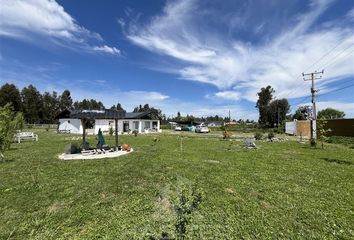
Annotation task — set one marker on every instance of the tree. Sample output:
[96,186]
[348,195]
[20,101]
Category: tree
[330,113]
[90,105]
[9,123]
[265,96]
[31,104]
[301,113]
[9,93]
[65,100]
[277,111]
[50,107]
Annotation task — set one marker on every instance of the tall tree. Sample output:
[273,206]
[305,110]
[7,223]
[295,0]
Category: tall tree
[330,113]
[66,101]
[117,107]
[277,111]
[300,113]
[50,107]
[9,93]
[264,98]
[31,104]
[89,104]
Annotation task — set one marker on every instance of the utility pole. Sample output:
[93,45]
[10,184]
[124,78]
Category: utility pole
[313,99]
[229,116]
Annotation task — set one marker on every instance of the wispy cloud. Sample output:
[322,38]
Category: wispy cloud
[107,49]
[30,20]
[184,32]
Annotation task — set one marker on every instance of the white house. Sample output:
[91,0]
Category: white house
[142,122]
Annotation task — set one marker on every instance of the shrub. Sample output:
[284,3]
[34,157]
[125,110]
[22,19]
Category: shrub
[271,135]
[340,140]
[258,135]
[110,131]
[313,142]
[226,135]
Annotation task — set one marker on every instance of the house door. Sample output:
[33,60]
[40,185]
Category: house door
[125,126]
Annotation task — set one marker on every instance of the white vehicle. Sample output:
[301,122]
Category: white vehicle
[178,128]
[201,129]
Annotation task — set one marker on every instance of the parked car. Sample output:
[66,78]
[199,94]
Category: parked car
[201,129]
[178,128]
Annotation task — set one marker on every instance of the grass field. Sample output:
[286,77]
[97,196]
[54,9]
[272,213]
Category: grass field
[282,190]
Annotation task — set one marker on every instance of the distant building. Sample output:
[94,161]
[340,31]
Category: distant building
[233,123]
[215,124]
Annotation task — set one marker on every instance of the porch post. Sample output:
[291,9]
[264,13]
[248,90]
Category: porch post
[116,132]
[83,133]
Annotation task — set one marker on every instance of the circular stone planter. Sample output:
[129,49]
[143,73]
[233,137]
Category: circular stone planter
[79,156]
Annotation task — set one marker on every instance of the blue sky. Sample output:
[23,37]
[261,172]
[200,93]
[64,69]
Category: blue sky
[198,57]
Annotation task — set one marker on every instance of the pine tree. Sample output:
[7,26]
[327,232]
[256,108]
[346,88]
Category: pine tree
[66,101]
[9,93]
[31,104]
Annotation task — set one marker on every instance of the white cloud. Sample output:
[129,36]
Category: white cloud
[29,20]
[147,96]
[227,95]
[107,49]
[207,55]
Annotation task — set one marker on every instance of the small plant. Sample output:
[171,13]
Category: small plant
[258,135]
[271,135]
[135,132]
[322,131]
[226,135]
[313,142]
[185,203]
[110,131]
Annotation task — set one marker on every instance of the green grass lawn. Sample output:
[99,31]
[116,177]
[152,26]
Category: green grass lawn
[282,190]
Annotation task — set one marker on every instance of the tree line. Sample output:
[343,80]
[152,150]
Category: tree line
[43,108]
[274,112]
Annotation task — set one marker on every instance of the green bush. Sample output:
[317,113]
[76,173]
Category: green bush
[341,140]
[313,143]
[110,131]
[165,127]
[258,135]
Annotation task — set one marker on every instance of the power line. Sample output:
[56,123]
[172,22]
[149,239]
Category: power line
[318,60]
[336,90]
[336,56]
[337,59]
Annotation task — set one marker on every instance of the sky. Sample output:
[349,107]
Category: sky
[199,57]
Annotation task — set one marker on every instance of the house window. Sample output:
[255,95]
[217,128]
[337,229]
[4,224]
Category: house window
[154,125]
[136,125]
[147,125]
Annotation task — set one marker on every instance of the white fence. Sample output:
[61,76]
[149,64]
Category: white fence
[52,126]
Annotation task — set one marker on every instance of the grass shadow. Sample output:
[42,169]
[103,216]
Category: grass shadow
[338,161]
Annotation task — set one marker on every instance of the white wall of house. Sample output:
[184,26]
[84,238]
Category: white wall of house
[73,125]
[141,125]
